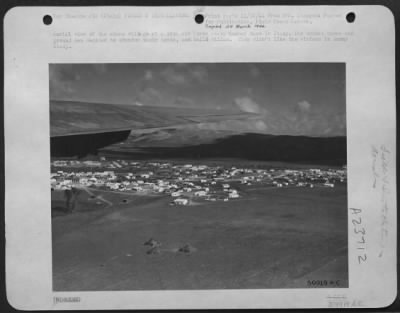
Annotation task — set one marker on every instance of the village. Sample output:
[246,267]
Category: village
[185,183]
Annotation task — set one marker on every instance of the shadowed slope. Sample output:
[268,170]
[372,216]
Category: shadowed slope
[325,150]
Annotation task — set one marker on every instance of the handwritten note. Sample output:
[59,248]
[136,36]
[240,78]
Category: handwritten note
[360,232]
[381,184]
[341,301]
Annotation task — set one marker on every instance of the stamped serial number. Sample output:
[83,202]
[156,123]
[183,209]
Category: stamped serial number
[323,283]
[57,300]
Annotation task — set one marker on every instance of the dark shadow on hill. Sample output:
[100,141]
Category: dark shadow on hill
[260,147]
[82,145]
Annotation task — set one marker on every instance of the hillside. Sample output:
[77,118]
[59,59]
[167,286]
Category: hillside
[75,118]
[251,146]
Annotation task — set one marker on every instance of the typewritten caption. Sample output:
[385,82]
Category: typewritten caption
[216,28]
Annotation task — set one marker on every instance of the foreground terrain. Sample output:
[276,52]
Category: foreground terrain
[269,237]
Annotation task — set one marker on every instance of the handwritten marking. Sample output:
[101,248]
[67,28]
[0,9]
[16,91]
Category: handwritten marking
[360,232]
[375,174]
[380,173]
[341,303]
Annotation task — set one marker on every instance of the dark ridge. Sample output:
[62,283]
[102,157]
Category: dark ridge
[321,150]
[82,145]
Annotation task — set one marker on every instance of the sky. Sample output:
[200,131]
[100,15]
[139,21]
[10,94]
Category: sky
[287,98]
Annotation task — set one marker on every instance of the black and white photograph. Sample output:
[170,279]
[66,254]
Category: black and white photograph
[198,176]
[200,157]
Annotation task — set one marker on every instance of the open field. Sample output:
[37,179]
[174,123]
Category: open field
[269,238]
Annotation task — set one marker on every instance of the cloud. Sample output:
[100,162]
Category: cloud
[304,105]
[184,102]
[61,80]
[149,96]
[199,74]
[246,104]
[173,76]
[254,71]
[183,74]
[249,90]
[240,126]
[148,75]
[61,72]
[100,68]
[260,126]
[181,65]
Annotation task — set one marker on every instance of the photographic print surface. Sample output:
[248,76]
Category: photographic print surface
[174,176]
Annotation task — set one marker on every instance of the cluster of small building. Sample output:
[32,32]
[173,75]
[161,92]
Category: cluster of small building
[185,183]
